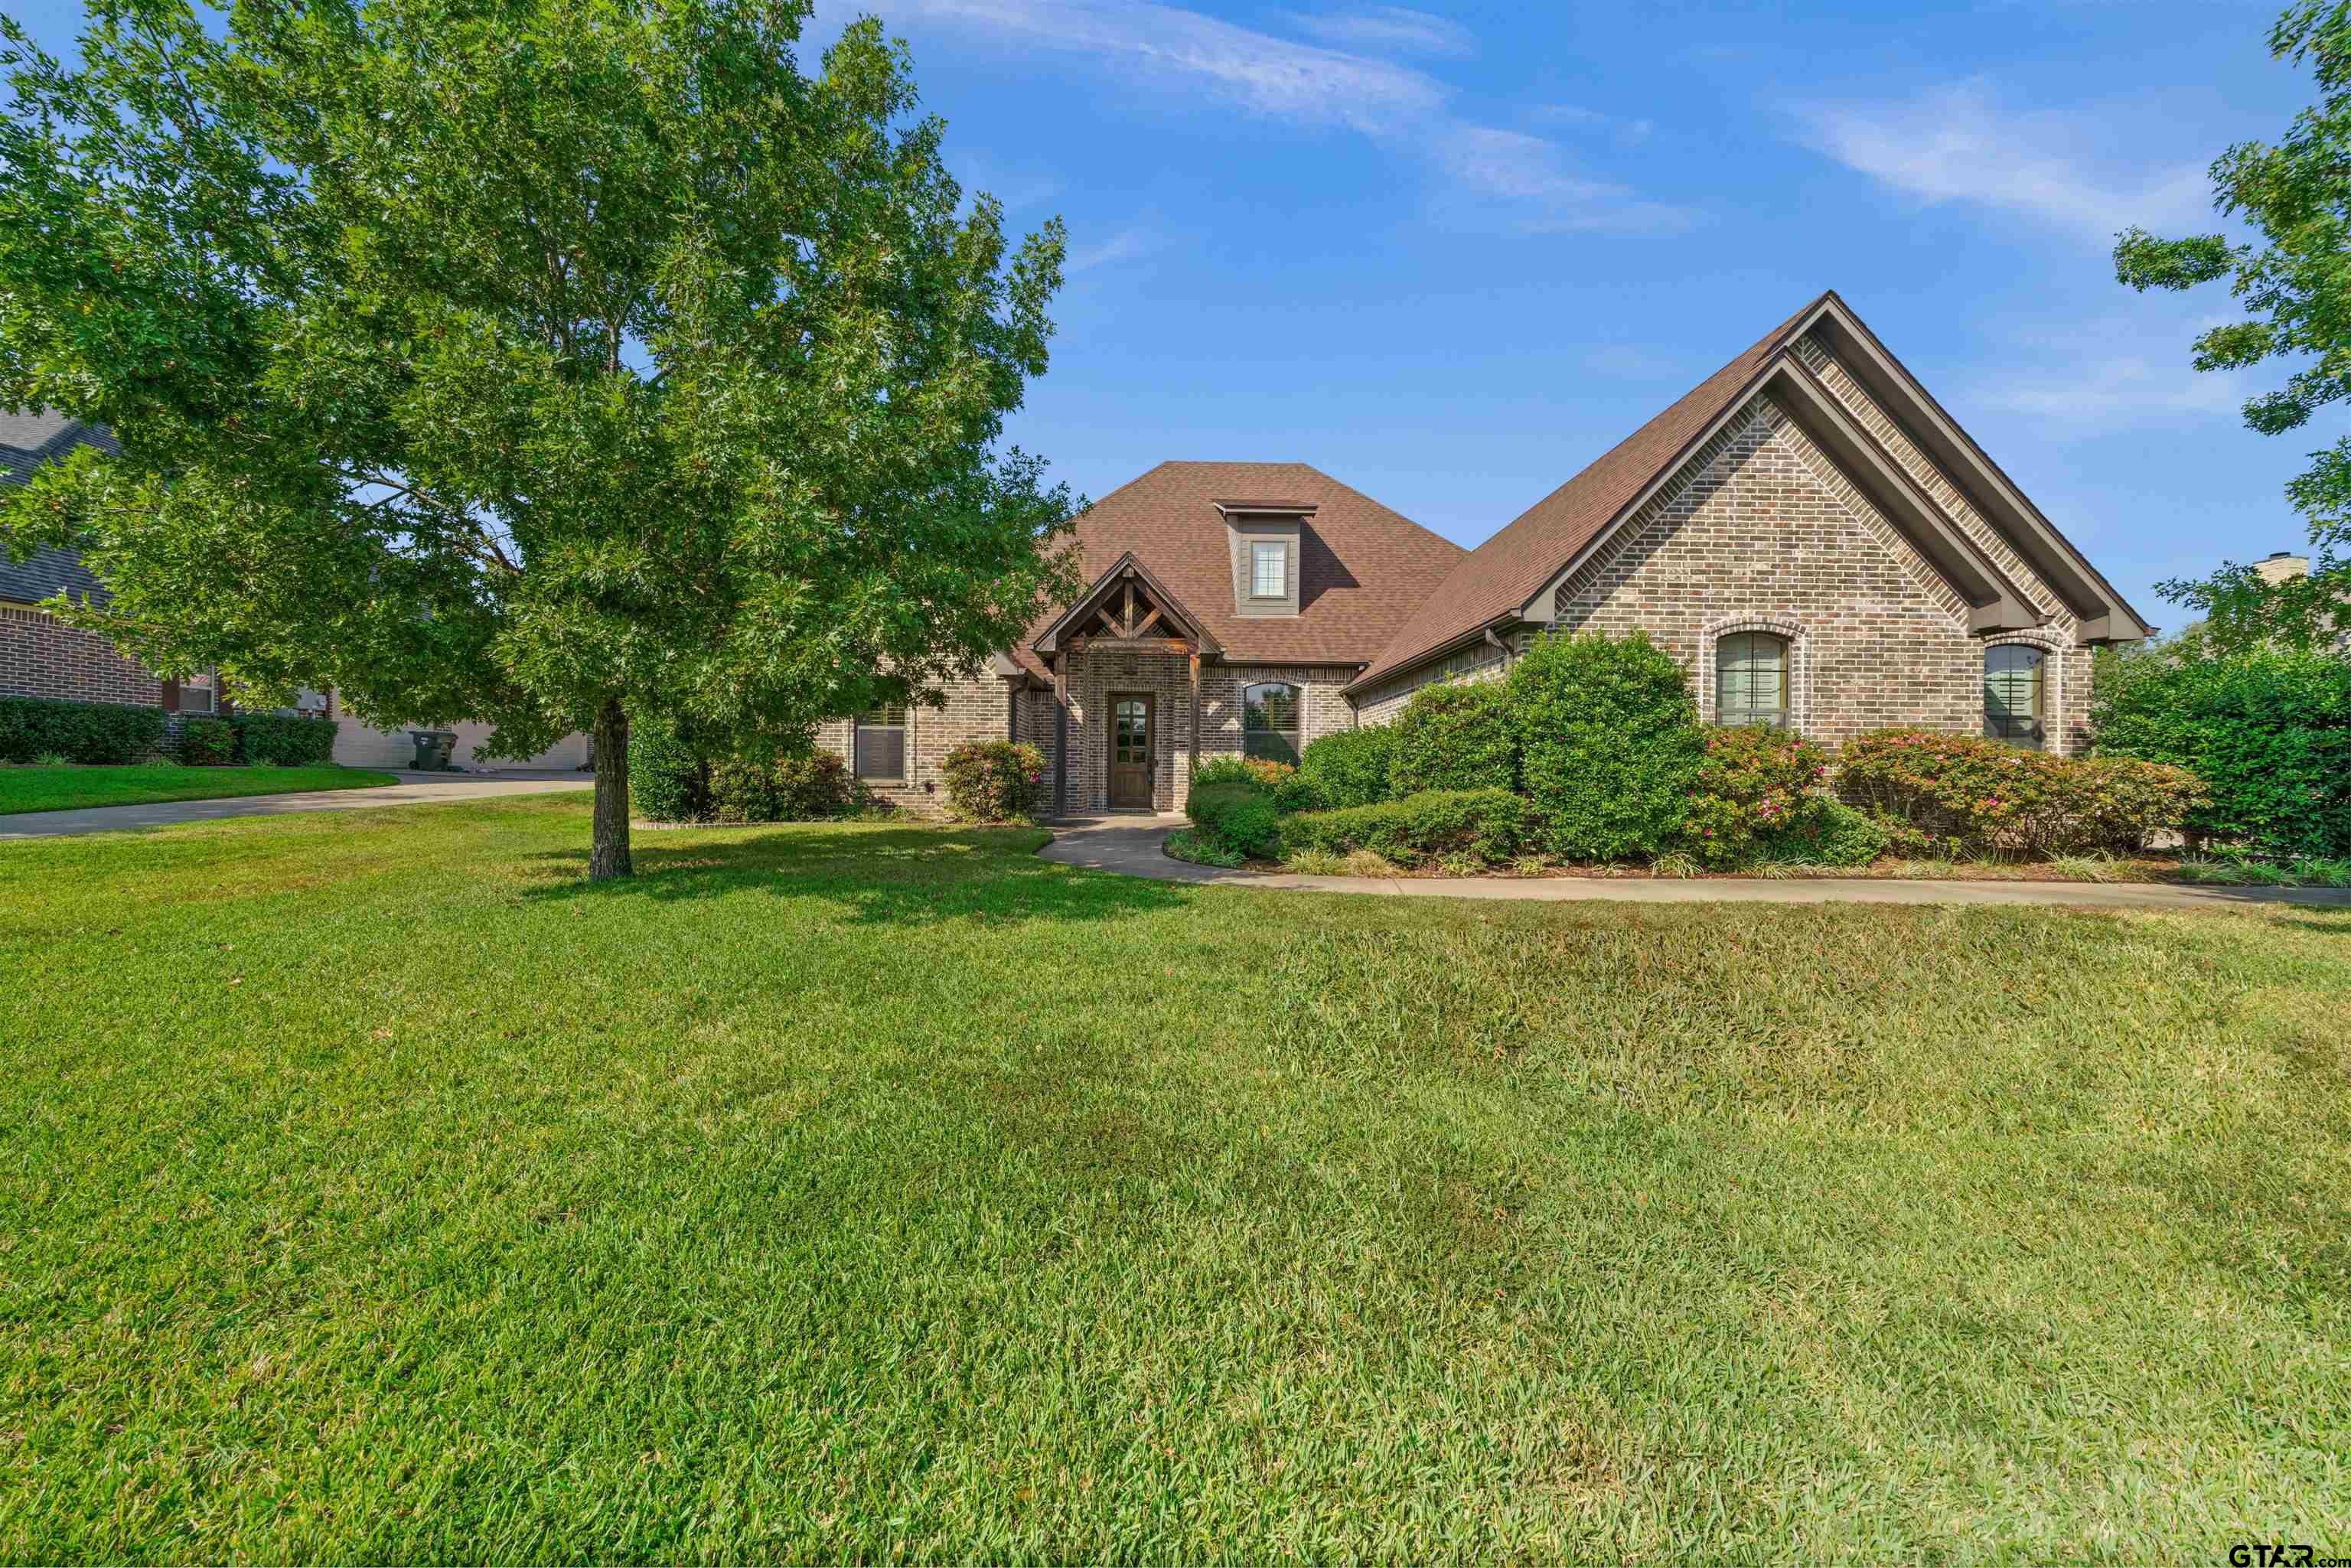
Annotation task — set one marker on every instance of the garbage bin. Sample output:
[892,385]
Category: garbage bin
[432,748]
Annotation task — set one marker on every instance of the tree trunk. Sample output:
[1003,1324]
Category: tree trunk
[608,855]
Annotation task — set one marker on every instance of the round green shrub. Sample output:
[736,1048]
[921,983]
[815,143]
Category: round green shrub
[207,743]
[2268,733]
[1609,744]
[1351,766]
[1756,787]
[1455,736]
[669,780]
[992,780]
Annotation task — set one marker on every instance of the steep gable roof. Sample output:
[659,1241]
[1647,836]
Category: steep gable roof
[28,440]
[1363,569]
[1500,575]
[1504,575]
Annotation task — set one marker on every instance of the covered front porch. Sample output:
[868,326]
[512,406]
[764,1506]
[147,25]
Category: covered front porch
[1129,711]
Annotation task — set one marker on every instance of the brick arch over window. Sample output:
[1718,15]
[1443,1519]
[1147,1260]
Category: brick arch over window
[2053,682]
[1800,665]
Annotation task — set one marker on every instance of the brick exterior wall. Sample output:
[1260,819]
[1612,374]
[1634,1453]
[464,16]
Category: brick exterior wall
[1760,532]
[975,710]
[41,656]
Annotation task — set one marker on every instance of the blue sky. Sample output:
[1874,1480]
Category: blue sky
[1451,254]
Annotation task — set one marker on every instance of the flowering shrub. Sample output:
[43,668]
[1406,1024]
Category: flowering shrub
[1966,795]
[1756,787]
[992,780]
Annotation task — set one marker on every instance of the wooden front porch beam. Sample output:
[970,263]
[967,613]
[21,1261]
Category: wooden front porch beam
[1196,720]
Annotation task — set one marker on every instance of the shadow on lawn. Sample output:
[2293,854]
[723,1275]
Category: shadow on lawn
[882,877]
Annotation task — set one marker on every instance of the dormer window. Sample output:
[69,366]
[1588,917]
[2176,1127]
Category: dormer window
[1270,569]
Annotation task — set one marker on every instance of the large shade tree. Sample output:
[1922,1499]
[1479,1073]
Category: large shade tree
[535,362]
[2294,285]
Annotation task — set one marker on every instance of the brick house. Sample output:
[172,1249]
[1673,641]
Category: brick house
[41,656]
[1807,529]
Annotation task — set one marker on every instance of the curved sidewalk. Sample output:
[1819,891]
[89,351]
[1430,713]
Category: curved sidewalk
[414,789]
[1131,846]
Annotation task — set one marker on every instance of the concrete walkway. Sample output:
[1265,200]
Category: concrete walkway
[1130,845]
[414,789]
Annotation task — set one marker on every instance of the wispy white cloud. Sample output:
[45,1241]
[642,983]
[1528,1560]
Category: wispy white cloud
[1128,243]
[2108,374]
[1504,177]
[1626,131]
[1959,143]
[1531,180]
[1395,28]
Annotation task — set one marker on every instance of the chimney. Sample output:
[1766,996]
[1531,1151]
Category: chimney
[2281,566]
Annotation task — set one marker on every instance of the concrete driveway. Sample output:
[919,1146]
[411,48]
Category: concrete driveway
[1130,845]
[414,789]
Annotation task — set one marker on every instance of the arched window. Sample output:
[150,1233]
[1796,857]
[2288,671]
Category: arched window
[2016,686]
[1270,722]
[1750,679]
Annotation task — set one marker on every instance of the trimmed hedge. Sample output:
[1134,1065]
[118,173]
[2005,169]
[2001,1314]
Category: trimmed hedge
[992,780]
[262,738]
[33,728]
[1971,796]
[1489,823]
[1609,744]
[2268,733]
[1455,736]
[207,743]
[1351,766]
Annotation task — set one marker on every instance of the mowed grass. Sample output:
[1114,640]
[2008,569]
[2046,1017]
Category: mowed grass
[377,1189]
[33,788]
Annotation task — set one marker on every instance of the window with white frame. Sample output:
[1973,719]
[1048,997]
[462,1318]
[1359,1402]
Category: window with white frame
[1270,722]
[1750,679]
[1269,570]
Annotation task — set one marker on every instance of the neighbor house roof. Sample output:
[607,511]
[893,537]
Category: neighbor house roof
[1362,567]
[1502,574]
[28,440]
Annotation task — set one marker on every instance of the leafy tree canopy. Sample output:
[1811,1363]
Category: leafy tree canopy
[2295,285]
[526,361]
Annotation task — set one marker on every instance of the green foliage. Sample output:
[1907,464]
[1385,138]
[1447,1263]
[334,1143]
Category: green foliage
[1226,769]
[2268,732]
[274,739]
[2295,282]
[1962,795]
[1192,844]
[1756,787]
[207,743]
[35,728]
[1490,825]
[992,780]
[524,364]
[1455,735]
[669,779]
[1609,744]
[1351,766]
[808,786]
[1236,814]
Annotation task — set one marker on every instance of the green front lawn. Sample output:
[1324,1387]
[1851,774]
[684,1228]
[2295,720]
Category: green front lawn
[377,1189]
[69,789]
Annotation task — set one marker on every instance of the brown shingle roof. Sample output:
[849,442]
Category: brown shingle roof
[1363,569]
[1503,573]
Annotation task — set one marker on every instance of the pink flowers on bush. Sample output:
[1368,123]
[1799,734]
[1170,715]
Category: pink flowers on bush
[1972,795]
[992,780]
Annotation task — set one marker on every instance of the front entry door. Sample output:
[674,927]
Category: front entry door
[1130,750]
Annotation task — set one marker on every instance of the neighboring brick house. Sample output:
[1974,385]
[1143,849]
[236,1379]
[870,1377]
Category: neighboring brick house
[41,655]
[1808,531]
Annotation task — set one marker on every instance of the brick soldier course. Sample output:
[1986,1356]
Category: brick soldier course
[1811,489]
